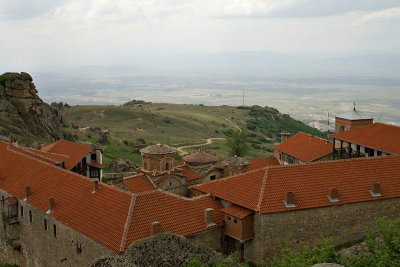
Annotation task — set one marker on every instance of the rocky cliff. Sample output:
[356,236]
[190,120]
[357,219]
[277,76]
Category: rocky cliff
[22,112]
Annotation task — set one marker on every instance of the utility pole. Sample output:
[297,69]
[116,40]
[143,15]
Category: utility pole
[243,99]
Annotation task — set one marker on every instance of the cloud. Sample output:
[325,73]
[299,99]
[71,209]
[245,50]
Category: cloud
[22,9]
[387,15]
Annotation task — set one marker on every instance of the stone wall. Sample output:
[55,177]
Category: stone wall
[41,247]
[295,229]
[212,239]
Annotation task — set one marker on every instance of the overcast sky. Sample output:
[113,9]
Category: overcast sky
[90,32]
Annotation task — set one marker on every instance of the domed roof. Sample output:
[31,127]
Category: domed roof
[158,149]
[199,158]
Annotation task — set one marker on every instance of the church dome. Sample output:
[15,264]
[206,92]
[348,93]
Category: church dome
[200,158]
[158,150]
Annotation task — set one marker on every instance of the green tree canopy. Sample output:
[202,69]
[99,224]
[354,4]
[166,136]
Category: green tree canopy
[238,143]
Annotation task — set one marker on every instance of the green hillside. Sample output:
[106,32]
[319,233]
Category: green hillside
[130,125]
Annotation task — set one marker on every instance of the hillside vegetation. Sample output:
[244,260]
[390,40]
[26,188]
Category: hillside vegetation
[138,123]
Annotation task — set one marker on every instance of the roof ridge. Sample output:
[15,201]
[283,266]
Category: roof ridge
[229,177]
[323,162]
[127,224]
[172,195]
[32,151]
[264,184]
[51,145]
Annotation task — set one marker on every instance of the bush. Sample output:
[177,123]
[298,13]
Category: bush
[308,257]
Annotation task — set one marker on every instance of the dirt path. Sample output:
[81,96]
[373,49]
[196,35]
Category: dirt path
[208,141]
[233,124]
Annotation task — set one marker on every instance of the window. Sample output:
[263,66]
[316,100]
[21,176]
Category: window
[22,211]
[45,223]
[30,216]
[2,201]
[94,173]
[93,156]
[78,248]
[234,220]
[54,230]
[167,166]
[212,177]
[379,153]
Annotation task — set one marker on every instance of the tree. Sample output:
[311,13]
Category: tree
[238,144]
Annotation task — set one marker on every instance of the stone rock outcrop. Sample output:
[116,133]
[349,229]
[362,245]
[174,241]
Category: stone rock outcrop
[164,250]
[122,165]
[22,110]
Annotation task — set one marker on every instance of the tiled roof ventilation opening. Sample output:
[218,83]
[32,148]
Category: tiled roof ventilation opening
[376,189]
[28,193]
[52,205]
[155,228]
[95,186]
[290,200]
[333,195]
[209,217]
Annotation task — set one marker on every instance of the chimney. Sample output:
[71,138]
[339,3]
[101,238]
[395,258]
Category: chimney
[28,192]
[95,186]
[209,217]
[284,136]
[155,228]
[333,195]
[376,189]
[13,140]
[52,204]
[290,201]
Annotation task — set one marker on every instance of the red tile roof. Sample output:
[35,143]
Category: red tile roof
[263,162]
[380,136]
[48,157]
[187,172]
[91,214]
[110,216]
[176,214]
[237,211]
[264,190]
[95,164]
[305,147]
[75,151]
[138,183]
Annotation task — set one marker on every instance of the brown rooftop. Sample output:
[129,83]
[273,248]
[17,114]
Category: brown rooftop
[380,136]
[158,149]
[200,158]
[109,216]
[305,147]
[265,189]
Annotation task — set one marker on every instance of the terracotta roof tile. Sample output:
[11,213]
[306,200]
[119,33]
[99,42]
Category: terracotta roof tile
[263,162]
[200,157]
[310,183]
[138,183]
[110,216]
[305,147]
[91,214]
[383,137]
[176,214]
[243,190]
[187,172]
[95,164]
[74,151]
[237,211]
[48,157]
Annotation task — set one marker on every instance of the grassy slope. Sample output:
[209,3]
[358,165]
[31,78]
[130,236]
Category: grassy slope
[177,125]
